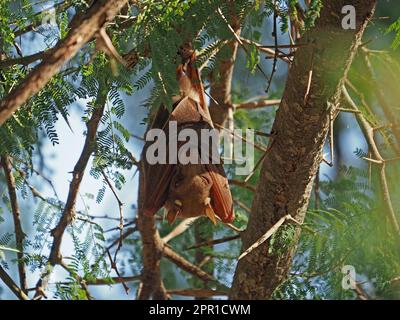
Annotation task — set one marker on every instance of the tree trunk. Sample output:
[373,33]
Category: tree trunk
[301,127]
[152,286]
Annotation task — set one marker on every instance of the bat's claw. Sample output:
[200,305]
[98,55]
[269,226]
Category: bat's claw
[171,216]
[211,214]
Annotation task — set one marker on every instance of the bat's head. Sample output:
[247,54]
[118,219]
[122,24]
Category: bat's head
[186,51]
[189,193]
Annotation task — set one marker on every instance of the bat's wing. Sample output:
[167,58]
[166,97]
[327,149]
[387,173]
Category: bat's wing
[157,180]
[157,177]
[220,194]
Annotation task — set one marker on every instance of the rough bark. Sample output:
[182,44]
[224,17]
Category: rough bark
[301,127]
[200,256]
[152,285]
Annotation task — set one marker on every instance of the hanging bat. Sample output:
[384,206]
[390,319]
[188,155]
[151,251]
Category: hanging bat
[187,190]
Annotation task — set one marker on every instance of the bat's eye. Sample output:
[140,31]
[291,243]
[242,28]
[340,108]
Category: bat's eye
[177,183]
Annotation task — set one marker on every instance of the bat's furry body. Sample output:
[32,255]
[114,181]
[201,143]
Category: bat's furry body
[187,190]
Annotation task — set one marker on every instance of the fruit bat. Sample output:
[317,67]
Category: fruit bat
[187,190]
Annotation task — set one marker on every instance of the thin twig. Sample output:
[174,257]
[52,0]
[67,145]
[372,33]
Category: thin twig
[348,110]
[237,38]
[369,136]
[179,229]
[83,28]
[285,46]
[104,43]
[229,225]
[184,264]
[387,110]
[6,162]
[258,104]
[265,236]
[115,267]
[242,205]
[121,212]
[275,35]
[24,61]
[69,210]
[270,52]
[233,134]
[125,235]
[37,172]
[242,184]
[197,292]
[104,281]
[309,80]
[210,243]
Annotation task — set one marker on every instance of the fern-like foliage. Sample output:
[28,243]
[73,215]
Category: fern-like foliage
[349,229]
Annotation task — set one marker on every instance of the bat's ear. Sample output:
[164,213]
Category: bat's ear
[223,209]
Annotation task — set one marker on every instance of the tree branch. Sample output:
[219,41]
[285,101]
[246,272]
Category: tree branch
[269,52]
[11,285]
[257,104]
[301,128]
[368,131]
[19,233]
[152,285]
[26,60]
[198,293]
[242,184]
[84,29]
[387,109]
[61,6]
[213,242]
[186,265]
[179,229]
[77,176]
[220,89]
[105,281]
